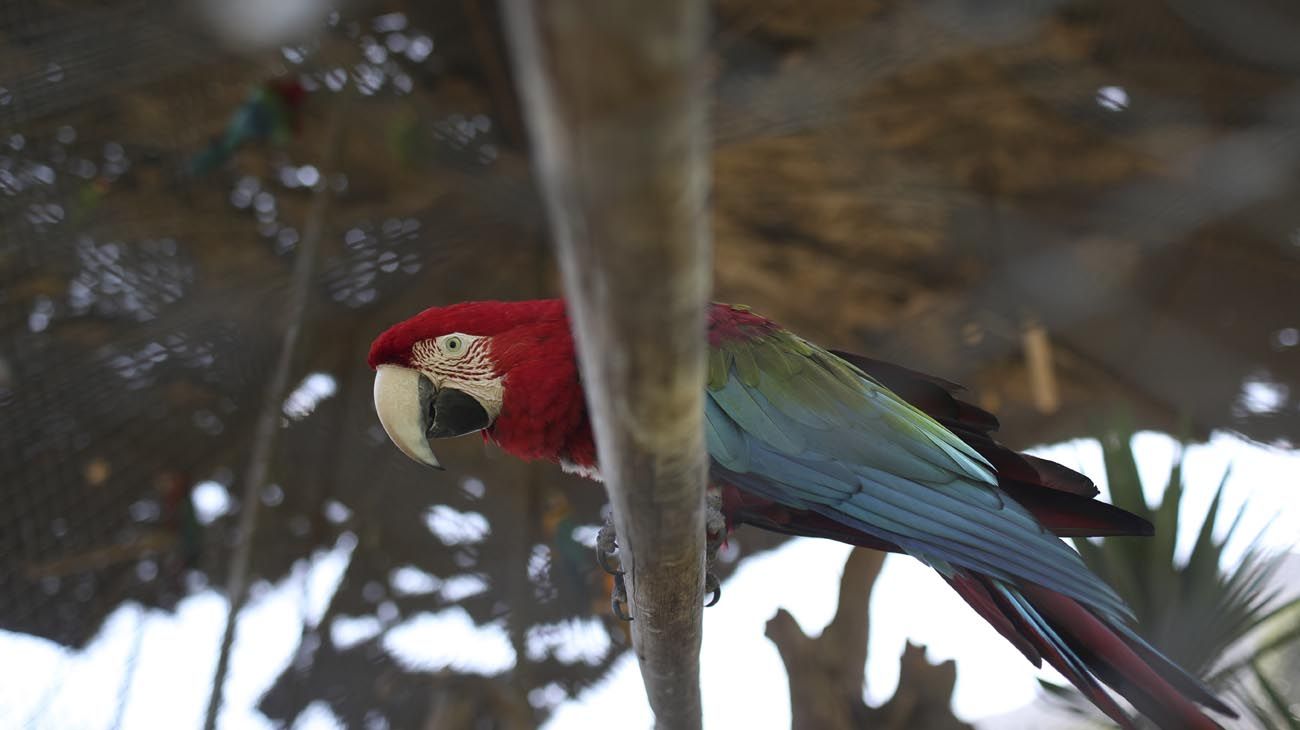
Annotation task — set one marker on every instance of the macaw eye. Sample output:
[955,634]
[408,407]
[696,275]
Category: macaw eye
[453,345]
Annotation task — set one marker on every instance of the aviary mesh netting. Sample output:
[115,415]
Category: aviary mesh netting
[143,301]
[906,179]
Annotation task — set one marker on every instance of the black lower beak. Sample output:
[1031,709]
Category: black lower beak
[455,413]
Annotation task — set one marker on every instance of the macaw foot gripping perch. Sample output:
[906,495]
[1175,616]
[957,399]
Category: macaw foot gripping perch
[608,558]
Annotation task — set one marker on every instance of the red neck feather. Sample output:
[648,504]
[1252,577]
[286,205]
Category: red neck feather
[543,413]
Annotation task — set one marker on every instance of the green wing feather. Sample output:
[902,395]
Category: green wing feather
[802,427]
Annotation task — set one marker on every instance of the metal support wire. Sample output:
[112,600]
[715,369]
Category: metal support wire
[268,422]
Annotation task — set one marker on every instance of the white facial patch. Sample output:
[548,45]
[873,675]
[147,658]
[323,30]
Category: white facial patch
[461,362]
[587,472]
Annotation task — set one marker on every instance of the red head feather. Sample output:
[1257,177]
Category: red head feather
[543,414]
[488,319]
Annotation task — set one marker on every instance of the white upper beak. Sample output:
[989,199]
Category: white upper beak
[403,412]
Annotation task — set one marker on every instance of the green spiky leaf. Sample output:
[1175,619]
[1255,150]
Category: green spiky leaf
[1275,703]
[1194,612]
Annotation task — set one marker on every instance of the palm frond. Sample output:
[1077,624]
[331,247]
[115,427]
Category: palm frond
[1219,624]
[1274,701]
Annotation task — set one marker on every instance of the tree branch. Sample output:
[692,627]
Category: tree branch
[613,96]
[827,673]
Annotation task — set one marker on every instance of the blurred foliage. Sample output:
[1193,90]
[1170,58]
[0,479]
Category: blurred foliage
[1230,627]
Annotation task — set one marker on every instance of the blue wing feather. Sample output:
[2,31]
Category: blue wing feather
[724,439]
[813,432]
[741,403]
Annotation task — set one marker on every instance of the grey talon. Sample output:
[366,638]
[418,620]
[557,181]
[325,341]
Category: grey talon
[618,599]
[713,588]
[607,548]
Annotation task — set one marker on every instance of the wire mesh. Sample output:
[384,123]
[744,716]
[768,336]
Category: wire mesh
[901,178]
[143,306]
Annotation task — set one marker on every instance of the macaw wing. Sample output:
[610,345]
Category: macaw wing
[1057,496]
[795,424]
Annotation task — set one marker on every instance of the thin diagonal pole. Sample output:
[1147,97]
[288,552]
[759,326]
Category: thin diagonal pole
[267,428]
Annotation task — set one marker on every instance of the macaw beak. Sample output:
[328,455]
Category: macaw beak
[412,411]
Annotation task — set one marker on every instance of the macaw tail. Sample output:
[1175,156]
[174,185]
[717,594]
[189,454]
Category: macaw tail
[1090,650]
[1091,646]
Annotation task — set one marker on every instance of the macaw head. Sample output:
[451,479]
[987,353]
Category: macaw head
[505,369]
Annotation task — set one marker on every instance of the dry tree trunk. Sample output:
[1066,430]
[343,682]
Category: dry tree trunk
[614,99]
[827,673]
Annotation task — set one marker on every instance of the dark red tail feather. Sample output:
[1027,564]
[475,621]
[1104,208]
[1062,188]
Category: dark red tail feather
[994,607]
[1083,648]
[973,590]
[1150,686]
[1025,468]
[1069,515]
[1070,667]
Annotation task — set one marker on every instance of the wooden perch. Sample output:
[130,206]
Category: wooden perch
[614,100]
[827,673]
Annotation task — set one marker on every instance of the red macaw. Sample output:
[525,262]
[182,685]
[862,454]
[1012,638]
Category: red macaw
[807,441]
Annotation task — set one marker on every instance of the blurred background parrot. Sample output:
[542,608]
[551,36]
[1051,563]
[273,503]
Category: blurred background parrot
[811,442]
[272,112]
[579,582]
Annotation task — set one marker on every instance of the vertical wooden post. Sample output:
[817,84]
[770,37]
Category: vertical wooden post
[614,99]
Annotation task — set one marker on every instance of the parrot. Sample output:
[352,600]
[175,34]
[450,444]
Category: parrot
[808,441]
[579,584]
[570,569]
[271,112]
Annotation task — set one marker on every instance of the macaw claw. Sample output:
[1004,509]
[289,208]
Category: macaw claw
[607,556]
[712,588]
[607,549]
[715,534]
[618,599]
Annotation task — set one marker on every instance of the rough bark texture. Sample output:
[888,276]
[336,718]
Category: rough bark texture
[827,673]
[613,97]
